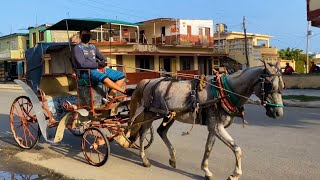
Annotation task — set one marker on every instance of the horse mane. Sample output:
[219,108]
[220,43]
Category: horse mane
[240,72]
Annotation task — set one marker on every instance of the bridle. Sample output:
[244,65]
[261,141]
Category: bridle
[267,88]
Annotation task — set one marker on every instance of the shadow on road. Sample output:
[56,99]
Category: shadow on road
[71,147]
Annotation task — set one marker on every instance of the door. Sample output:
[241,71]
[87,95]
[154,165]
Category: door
[167,64]
[163,31]
[34,39]
[189,32]
[207,34]
[142,37]
[200,36]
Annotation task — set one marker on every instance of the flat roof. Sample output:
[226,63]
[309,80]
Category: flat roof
[14,34]
[77,24]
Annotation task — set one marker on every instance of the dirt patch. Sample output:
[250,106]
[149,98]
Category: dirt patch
[13,168]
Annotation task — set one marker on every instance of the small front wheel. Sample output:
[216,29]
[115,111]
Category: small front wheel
[95,147]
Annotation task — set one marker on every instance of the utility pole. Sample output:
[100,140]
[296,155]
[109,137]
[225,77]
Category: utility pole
[245,40]
[308,42]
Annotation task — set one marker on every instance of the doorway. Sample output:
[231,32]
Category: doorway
[167,64]
[205,65]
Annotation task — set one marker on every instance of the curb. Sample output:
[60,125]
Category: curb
[11,87]
[287,103]
[290,103]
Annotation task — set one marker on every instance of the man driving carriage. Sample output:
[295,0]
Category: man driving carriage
[87,56]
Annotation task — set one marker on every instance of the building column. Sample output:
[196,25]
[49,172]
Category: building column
[195,63]
[157,63]
[176,64]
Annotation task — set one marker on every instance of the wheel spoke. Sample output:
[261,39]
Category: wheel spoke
[33,127]
[18,114]
[87,141]
[99,152]
[30,134]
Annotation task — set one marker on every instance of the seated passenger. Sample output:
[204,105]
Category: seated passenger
[87,56]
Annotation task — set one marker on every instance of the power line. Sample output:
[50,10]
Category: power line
[101,8]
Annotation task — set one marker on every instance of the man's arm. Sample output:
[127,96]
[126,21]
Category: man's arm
[100,56]
[80,60]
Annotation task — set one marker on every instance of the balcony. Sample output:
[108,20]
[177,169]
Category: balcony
[12,54]
[180,40]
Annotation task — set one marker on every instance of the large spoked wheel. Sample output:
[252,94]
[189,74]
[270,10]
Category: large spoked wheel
[23,123]
[149,139]
[95,147]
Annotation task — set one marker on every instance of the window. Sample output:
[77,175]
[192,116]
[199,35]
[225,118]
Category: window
[41,36]
[144,62]
[34,39]
[119,60]
[186,63]
[13,45]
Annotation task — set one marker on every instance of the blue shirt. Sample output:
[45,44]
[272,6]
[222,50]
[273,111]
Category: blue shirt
[87,57]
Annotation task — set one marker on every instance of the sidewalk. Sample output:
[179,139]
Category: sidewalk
[10,86]
[253,99]
[294,103]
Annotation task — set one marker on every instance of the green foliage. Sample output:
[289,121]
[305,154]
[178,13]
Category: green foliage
[295,54]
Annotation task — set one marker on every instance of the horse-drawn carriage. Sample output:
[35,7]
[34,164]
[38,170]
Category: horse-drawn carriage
[58,98]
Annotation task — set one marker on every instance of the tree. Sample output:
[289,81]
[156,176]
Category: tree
[297,55]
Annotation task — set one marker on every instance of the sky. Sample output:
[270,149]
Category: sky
[285,20]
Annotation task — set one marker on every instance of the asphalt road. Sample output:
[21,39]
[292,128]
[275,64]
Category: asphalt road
[272,149]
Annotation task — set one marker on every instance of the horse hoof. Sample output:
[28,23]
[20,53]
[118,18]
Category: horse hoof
[232,178]
[209,178]
[172,163]
[146,163]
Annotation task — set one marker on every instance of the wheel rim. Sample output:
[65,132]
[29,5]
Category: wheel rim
[95,147]
[148,138]
[23,123]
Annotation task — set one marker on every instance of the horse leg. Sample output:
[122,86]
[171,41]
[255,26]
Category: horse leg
[142,132]
[205,162]
[162,131]
[224,136]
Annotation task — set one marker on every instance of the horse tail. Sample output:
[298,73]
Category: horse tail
[128,138]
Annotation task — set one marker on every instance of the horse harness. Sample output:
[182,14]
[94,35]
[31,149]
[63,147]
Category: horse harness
[197,84]
[267,88]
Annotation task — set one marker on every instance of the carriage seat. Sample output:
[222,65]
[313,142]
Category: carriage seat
[58,85]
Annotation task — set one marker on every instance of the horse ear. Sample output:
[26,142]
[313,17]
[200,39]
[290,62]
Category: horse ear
[266,65]
[278,65]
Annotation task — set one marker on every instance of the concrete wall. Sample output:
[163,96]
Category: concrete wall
[302,81]
[195,26]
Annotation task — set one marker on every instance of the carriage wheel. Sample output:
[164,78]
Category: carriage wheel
[149,138]
[95,147]
[23,123]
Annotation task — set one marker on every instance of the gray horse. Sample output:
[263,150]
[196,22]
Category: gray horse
[265,81]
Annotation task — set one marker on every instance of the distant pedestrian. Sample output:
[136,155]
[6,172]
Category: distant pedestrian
[288,70]
[314,68]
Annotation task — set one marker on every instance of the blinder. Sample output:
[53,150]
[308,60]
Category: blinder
[267,88]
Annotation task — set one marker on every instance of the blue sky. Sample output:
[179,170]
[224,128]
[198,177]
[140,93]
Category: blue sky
[283,19]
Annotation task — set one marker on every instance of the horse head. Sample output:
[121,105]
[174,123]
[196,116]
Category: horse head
[269,89]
